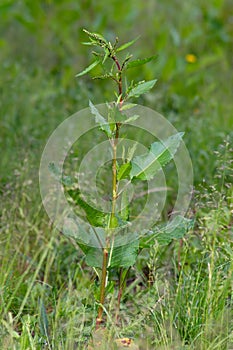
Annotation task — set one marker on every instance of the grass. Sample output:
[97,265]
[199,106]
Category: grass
[179,298]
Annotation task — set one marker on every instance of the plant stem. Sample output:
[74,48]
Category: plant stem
[114,142]
[102,287]
[119,81]
[114,146]
[114,183]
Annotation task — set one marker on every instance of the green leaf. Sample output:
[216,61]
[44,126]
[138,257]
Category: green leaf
[88,69]
[131,119]
[124,171]
[141,88]
[78,232]
[87,43]
[123,119]
[164,234]
[94,257]
[124,46]
[95,217]
[140,62]
[125,255]
[122,256]
[119,255]
[103,124]
[104,76]
[116,116]
[125,206]
[106,55]
[131,151]
[57,173]
[145,167]
[127,58]
[176,229]
[93,249]
[127,106]
[96,38]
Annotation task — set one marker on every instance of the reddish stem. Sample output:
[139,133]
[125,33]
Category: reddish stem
[102,288]
[120,77]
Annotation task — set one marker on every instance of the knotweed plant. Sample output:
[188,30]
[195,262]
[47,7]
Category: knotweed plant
[117,242]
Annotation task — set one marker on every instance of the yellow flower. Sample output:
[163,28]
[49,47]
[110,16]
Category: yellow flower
[190,58]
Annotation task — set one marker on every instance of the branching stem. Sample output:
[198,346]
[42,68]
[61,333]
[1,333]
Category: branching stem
[119,81]
[113,142]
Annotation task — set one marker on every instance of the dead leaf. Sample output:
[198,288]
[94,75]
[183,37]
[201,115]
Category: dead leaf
[102,340]
[124,343]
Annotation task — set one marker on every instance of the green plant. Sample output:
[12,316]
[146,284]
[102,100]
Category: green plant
[112,248]
[37,82]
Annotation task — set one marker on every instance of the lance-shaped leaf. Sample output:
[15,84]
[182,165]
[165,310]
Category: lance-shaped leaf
[126,45]
[145,167]
[94,216]
[125,206]
[104,76]
[131,119]
[124,171]
[128,106]
[140,62]
[88,69]
[164,234]
[100,120]
[141,88]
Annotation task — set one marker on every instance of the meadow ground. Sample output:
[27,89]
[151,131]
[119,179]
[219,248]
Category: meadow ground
[47,291]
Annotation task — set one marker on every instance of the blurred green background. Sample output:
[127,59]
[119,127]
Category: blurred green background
[41,52]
